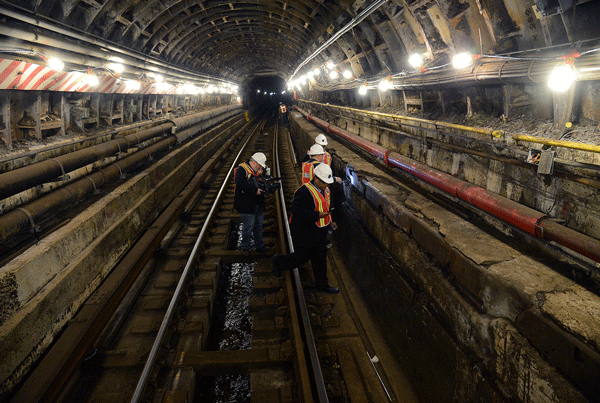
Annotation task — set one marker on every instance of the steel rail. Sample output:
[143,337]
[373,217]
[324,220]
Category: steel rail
[525,218]
[295,274]
[158,342]
[47,380]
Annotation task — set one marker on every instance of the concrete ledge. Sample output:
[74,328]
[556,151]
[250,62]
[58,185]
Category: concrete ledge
[478,288]
[55,277]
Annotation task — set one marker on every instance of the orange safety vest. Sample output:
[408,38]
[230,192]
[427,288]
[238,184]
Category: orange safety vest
[282,108]
[321,203]
[327,158]
[307,171]
[247,168]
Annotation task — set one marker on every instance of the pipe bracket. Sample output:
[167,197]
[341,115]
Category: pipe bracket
[64,176]
[121,175]
[34,228]
[96,191]
[385,158]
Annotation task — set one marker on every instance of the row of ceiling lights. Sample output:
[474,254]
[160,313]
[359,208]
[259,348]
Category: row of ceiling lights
[561,78]
[116,68]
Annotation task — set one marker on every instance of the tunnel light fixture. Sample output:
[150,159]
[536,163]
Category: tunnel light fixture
[333,74]
[416,61]
[92,80]
[116,67]
[562,77]
[158,78]
[133,84]
[316,71]
[347,74]
[55,64]
[462,60]
[362,90]
[385,84]
[330,65]
[310,75]
[164,86]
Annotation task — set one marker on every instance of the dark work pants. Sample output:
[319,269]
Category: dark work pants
[316,253]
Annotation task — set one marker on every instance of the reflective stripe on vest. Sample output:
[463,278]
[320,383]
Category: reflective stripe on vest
[247,168]
[307,171]
[327,158]
[321,203]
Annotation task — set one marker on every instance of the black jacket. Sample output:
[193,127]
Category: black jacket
[245,198]
[305,232]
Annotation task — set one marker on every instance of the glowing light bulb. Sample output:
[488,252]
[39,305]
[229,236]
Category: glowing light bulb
[92,80]
[159,79]
[384,85]
[116,67]
[330,65]
[347,74]
[55,64]
[317,71]
[561,78]
[462,60]
[415,60]
[363,89]
[333,75]
[132,84]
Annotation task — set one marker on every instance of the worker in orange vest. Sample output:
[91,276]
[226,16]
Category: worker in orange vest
[283,113]
[322,141]
[309,223]
[316,154]
[249,200]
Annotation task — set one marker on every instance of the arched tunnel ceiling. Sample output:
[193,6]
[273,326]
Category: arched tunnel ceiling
[242,40]
[230,39]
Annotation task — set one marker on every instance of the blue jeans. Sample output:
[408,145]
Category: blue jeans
[252,224]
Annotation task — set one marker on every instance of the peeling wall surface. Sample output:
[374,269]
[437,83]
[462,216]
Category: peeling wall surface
[501,95]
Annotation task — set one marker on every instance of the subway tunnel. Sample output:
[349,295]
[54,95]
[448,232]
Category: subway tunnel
[465,133]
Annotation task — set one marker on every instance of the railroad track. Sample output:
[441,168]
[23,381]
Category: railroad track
[187,316]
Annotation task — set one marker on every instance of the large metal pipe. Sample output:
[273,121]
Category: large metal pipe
[129,57]
[29,216]
[485,71]
[21,179]
[527,219]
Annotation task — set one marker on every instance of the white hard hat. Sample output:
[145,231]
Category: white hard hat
[321,139]
[260,158]
[323,172]
[316,149]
